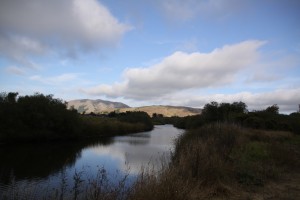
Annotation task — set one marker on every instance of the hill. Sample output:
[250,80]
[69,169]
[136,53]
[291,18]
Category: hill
[101,106]
[96,106]
[167,111]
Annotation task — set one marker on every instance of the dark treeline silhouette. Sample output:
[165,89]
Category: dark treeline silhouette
[36,117]
[268,119]
[41,117]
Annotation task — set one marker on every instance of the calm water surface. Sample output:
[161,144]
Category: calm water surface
[46,164]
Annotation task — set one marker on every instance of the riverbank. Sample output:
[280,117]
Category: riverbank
[217,161]
[43,167]
[224,161]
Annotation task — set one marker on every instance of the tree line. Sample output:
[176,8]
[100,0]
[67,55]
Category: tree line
[43,117]
[237,113]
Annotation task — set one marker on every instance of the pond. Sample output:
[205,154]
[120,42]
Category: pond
[49,164]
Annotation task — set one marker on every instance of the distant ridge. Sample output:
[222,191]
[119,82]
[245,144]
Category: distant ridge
[101,106]
[167,111]
[95,106]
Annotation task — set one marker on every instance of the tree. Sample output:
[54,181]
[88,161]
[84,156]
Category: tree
[36,116]
[273,109]
[210,111]
[11,97]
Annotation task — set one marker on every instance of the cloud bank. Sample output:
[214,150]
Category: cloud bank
[287,99]
[182,71]
[37,26]
[189,78]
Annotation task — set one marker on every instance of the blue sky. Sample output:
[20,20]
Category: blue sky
[175,52]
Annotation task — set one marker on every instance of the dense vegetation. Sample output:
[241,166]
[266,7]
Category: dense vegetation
[223,161]
[228,152]
[42,117]
[237,113]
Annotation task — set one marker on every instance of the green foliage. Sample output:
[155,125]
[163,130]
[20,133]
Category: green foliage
[268,119]
[94,126]
[36,117]
[42,117]
[136,117]
[273,109]
[214,112]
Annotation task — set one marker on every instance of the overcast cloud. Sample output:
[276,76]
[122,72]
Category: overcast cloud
[64,26]
[287,99]
[181,71]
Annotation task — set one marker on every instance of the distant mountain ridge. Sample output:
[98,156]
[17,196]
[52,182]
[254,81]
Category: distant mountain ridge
[102,106]
[167,111]
[95,106]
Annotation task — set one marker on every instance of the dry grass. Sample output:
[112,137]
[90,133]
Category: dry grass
[224,161]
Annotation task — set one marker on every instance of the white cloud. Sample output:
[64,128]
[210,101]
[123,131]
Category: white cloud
[55,80]
[287,99]
[181,71]
[263,77]
[64,26]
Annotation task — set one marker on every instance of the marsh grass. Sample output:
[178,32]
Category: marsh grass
[83,186]
[222,161]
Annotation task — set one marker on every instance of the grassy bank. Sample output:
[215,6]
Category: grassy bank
[222,161]
[217,161]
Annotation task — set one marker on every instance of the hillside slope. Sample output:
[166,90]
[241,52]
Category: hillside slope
[167,111]
[101,106]
[96,106]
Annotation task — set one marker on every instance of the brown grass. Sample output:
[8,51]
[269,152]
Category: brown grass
[224,161]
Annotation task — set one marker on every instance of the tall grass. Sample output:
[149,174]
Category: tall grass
[222,161]
[84,186]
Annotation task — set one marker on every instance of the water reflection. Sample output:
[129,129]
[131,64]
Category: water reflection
[136,151]
[40,160]
[31,162]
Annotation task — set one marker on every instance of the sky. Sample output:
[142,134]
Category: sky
[153,52]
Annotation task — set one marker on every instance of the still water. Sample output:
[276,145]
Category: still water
[45,164]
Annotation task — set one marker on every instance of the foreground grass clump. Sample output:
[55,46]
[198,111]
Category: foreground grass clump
[223,161]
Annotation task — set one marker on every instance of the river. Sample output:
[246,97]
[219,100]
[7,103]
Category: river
[47,164]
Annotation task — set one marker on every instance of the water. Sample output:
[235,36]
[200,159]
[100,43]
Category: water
[48,164]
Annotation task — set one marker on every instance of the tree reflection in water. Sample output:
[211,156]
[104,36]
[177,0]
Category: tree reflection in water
[30,161]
